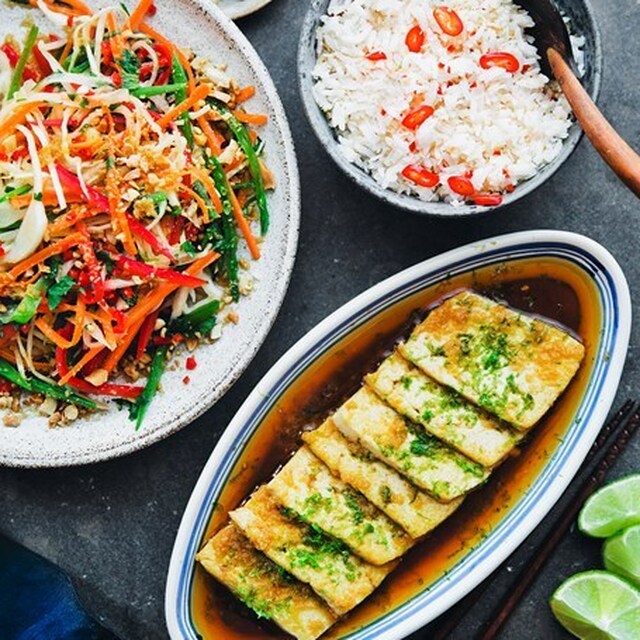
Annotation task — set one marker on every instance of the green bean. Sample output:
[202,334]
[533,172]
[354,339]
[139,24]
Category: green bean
[180,77]
[16,79]
[157,90]
[35,385]
[155,373]
[241,135]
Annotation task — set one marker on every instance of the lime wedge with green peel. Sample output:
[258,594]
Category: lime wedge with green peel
[612,509]
[622,555]
[597,605]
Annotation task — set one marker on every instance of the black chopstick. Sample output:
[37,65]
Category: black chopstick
[588,467]
[590,479]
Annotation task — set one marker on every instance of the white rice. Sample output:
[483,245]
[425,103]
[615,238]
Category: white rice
[496,127]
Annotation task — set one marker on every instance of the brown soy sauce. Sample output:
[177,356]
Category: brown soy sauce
[553,289]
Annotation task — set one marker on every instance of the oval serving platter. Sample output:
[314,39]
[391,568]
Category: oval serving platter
[304,385]
[202,27]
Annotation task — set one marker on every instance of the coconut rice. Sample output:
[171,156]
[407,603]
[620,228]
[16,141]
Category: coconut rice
[490,126]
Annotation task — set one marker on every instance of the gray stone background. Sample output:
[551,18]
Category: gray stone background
[111,526]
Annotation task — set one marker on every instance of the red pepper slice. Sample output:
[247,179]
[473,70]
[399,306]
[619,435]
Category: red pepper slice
[461,185]
[71,185]
[448,20]
[506,61]
[144,335]
[43,63]
[136,268]
[416,117]
[191,363]
[127,391]
[415,39]
[374,56]
[420,175]
[11,52]
[488,199]
[138,229]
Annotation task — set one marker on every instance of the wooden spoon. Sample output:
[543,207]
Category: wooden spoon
[554,46]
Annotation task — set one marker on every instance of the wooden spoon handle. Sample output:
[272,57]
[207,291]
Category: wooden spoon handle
[608,143]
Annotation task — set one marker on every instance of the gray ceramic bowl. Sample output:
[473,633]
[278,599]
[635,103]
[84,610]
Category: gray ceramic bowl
[583,23]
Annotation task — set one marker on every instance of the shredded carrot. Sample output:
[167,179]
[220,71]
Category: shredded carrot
[205,178]
[199,93]
[62,223]
[255,119]
[214,139]
[67,50]
[56,338]
[245,93]
[115,41]
[86,358]
[124,342]
[47,252]
[139,13]
[200,202]
[242,223]
[184,61]
[80,7]
[18,114]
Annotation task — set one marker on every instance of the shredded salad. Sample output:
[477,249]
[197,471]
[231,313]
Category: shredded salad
[130,179]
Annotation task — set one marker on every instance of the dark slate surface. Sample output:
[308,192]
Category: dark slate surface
[111,526]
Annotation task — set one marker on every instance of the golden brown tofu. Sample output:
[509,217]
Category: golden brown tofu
[424,460]
[510,364]
[339,577]
[414,510]
[443,413]
[263,586]
[307,486]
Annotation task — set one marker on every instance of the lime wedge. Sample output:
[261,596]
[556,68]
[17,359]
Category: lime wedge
[622,555]
[612,509]
[597,605]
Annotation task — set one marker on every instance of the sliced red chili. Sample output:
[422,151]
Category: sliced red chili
[92,281]
[144,336]
[488,199]
[502,59]
[416,117]
[420,175]
[136,268]
[13,55]
[191,363]
[415,39]
[461,185]
[376,55]
[448,20]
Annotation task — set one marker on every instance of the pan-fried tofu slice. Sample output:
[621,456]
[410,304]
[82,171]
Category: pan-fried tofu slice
[424,460]
[510,364]
[414,510]
[307,486]
[442,412]
[339,577]
[263,586]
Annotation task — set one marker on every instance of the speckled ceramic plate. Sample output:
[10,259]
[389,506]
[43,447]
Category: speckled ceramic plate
[523,497]
[240,8]
[201,26]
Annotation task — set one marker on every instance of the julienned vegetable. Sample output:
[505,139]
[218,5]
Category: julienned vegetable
[122,205]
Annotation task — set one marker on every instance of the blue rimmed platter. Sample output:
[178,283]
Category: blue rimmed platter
[493,523]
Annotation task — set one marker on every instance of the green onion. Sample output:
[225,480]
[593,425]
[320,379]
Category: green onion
[157,90]
[35,385]
[241,135]
[200,320]
[11,227]
[180,77]
[16,79]
[155,373]
[18,191]
[229,245]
